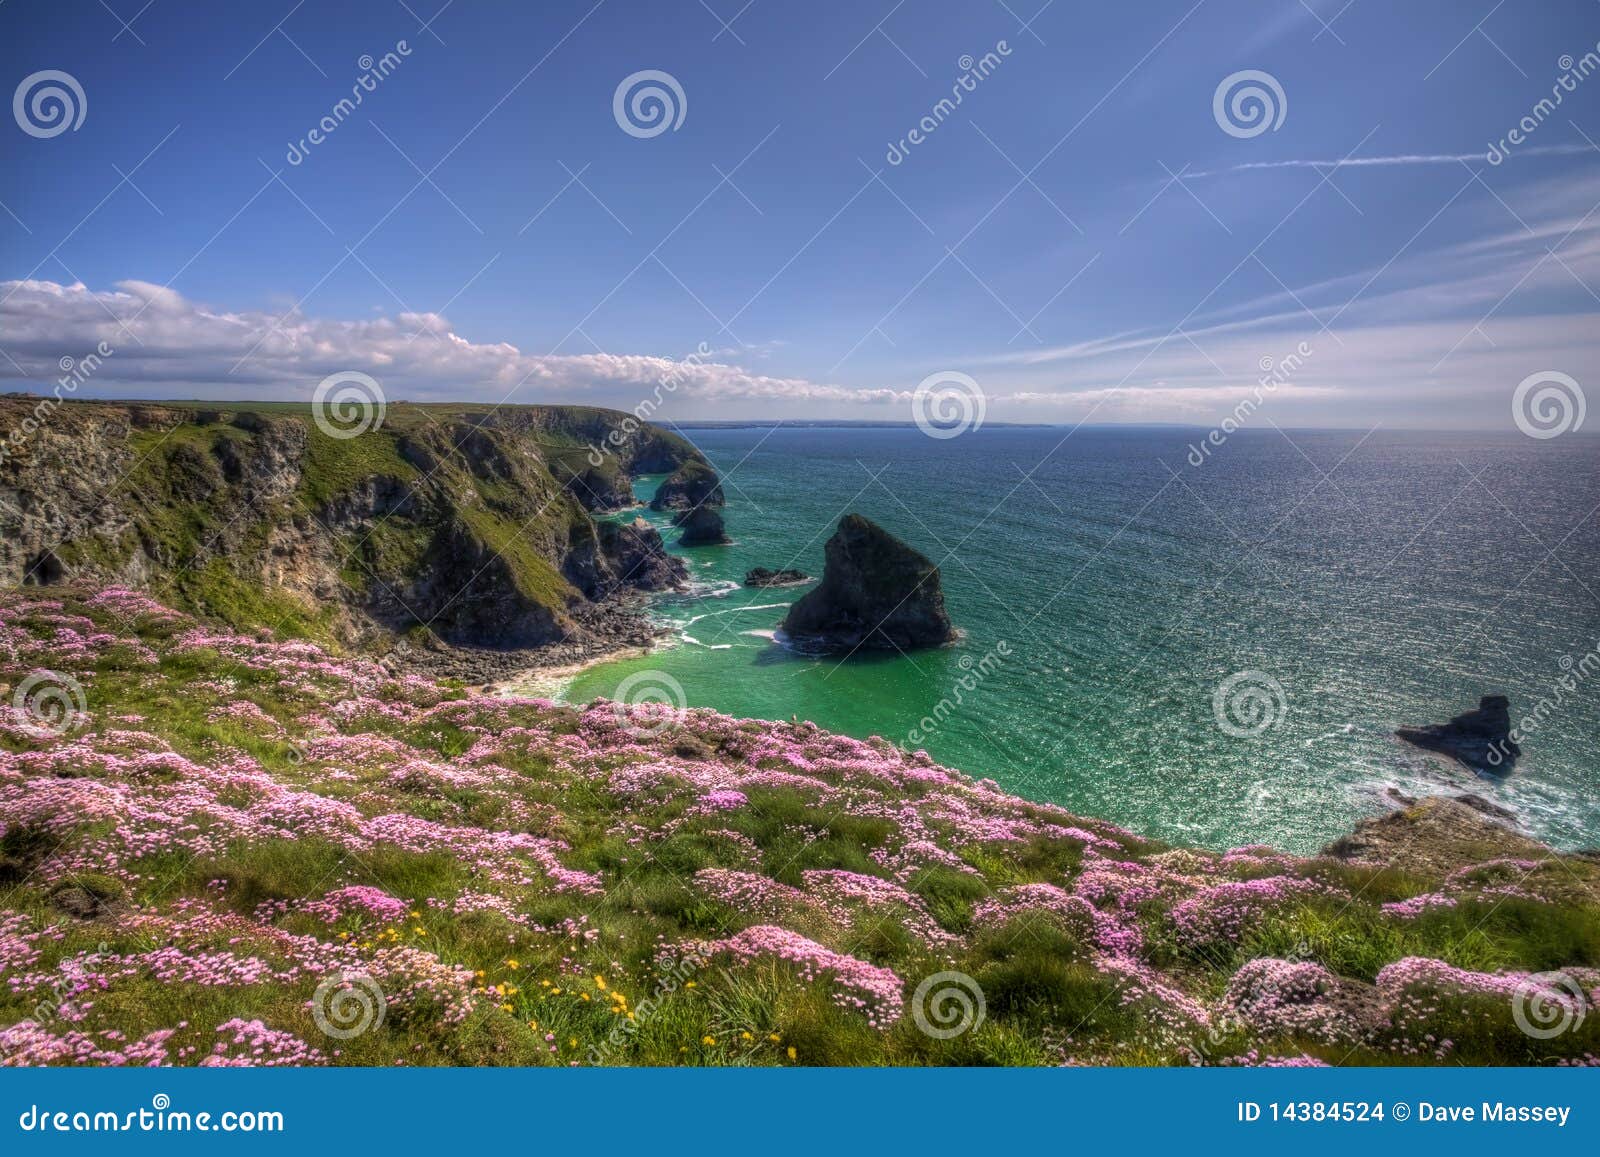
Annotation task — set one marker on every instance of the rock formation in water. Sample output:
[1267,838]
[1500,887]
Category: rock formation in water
[701,526]
[876,593]
[762,577]
[692,484]
[1480,739]
[639,558]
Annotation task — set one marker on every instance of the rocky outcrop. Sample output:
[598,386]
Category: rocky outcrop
[701,526]
[691,485]
[638,557]
[1436,835]
[445,526]
[876,593]
[762,577]
[1480,739]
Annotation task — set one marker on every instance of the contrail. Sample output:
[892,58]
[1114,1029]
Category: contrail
[1402,159]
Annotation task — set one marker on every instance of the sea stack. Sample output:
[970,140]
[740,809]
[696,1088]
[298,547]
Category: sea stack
[693,484]
[876,593]
[701,526]
[1480,739]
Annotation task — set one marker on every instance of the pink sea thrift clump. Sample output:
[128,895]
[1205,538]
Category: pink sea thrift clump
[1291,998]
[877,992]
[1224,912]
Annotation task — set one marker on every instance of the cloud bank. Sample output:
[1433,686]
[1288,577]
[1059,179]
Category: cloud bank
[168,345]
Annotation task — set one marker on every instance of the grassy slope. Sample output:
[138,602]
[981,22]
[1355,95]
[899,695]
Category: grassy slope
[540,865]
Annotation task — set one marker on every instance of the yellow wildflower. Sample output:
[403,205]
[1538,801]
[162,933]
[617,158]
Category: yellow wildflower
[708,1040]
[600,983]
[791,1052]
[774,1037]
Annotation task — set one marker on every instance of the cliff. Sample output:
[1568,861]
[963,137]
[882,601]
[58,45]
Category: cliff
[466,526]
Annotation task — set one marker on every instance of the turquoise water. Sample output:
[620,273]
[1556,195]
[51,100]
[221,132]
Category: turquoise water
[1373,578]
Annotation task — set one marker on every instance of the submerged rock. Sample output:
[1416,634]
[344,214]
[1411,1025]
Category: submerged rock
[876,592]
[762,577]
[1480,739]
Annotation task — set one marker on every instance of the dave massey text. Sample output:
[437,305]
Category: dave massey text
[1495,1111]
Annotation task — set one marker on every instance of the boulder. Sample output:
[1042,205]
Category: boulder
[1480,739]
[876,593]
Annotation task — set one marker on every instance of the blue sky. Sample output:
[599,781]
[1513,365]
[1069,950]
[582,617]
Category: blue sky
[1081,235]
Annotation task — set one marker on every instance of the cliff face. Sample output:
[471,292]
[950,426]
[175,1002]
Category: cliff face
[468,525]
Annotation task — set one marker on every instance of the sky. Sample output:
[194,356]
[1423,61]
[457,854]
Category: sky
[1095,232]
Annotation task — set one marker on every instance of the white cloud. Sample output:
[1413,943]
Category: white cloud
[166,344]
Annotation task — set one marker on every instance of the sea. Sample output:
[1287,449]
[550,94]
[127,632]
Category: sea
[1209,642]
